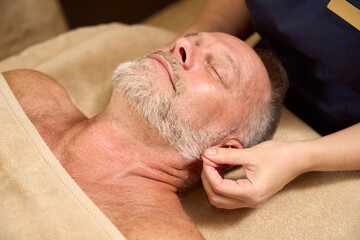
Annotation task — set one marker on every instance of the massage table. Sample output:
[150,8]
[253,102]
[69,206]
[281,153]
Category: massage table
[39,200]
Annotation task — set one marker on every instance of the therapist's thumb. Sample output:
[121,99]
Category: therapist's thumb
[231,156]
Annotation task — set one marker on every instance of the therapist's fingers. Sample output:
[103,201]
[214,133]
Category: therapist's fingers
[230,156]
[241,189]
[218,200]
[217,165]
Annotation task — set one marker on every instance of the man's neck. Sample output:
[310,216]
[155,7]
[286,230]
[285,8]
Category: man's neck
[131,182]
[98,150]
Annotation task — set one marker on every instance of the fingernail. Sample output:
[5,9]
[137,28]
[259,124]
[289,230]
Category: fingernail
[210,151]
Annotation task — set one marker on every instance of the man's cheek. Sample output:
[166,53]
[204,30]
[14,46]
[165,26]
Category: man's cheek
[198,110]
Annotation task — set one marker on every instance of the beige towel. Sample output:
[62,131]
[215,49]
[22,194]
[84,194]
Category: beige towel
[38,199]
[313,206]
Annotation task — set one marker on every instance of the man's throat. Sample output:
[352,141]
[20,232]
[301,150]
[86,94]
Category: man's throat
[91,155]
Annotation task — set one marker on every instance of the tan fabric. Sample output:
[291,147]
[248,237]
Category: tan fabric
[38,199]
[26,22]
[314,206]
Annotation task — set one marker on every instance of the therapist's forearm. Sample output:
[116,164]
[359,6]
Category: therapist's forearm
[335,152]
[229,16]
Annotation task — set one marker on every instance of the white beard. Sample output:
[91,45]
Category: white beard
[130,80]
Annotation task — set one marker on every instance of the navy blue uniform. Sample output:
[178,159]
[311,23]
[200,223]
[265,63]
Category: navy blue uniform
[321,53]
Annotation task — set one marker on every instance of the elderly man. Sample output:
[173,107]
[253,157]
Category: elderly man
[132,158]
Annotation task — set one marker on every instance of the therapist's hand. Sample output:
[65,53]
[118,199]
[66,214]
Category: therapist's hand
[268,167]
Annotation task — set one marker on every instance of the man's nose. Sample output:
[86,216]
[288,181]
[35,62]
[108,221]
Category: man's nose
[185,51]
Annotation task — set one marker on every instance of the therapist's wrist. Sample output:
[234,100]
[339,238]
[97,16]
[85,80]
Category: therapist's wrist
[306,156]
[297,156]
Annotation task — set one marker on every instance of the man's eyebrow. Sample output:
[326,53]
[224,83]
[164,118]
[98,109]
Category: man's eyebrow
[195,37]
[195,34]
[234,66]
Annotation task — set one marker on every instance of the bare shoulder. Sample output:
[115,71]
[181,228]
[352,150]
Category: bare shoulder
[43,99]
[35,90]
[29,84]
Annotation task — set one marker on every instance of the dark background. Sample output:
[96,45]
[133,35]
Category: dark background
[92,12]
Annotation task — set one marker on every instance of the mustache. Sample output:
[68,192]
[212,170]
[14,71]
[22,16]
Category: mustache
[175,67]
[174,62]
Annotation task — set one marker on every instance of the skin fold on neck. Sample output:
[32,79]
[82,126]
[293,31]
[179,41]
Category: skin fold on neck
[109,153]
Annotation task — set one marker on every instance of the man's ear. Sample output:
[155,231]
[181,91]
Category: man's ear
[231,143]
